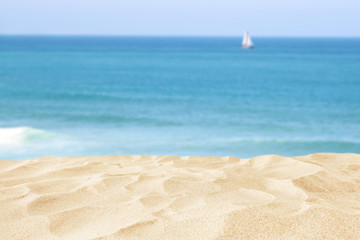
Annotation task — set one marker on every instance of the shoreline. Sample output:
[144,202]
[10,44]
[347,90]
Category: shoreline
[167,197]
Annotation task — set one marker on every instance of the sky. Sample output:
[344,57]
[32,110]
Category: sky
[181,17]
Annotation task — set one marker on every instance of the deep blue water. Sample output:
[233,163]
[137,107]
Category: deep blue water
[65,96]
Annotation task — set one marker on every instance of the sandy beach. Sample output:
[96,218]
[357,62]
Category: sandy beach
[165,197]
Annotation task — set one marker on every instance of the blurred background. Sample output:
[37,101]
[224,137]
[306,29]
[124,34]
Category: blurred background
[63,96]
[160,78]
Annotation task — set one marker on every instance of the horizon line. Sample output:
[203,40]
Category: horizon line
[171,35]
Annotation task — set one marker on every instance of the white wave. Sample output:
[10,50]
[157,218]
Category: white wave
[23,135]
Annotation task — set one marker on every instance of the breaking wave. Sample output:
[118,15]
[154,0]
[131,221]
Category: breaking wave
[24,135]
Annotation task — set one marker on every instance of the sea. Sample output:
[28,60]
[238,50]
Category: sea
[184,96]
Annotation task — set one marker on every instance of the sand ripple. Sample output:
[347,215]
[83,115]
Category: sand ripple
[164,197]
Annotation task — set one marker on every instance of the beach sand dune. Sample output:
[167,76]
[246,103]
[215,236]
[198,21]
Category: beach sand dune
[165,197]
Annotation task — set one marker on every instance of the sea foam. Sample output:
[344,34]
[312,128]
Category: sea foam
[23,135]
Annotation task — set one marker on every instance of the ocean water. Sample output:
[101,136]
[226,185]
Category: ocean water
[70,96]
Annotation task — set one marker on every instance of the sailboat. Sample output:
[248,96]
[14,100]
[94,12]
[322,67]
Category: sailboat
[247,43]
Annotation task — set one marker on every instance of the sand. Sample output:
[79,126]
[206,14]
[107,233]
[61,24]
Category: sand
[164,197]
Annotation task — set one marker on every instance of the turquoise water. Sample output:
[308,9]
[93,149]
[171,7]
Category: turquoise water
[65,96]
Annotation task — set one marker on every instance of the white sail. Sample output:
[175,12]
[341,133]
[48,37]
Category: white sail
[245,39]
[247,43]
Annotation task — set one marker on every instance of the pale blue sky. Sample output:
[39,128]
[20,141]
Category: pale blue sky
[181,17]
